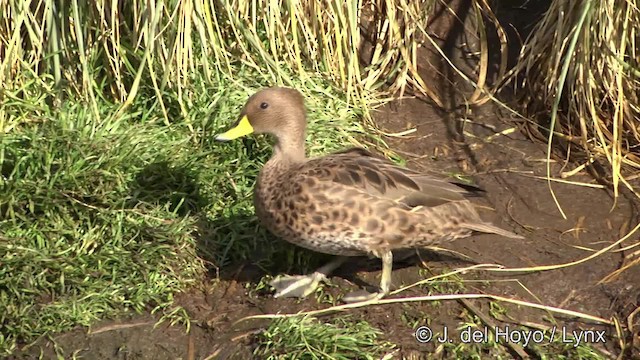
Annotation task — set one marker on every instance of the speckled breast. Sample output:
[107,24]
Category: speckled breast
[288,218]
[338,243]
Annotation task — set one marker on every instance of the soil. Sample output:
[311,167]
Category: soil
[508,167]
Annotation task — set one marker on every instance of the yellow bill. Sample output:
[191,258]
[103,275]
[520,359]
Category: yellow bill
[243,128]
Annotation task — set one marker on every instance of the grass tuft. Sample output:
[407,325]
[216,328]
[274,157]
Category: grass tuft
[306,337]
[581,68]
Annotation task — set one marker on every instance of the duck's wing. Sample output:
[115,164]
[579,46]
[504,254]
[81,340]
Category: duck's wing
[356,177]
[362,171]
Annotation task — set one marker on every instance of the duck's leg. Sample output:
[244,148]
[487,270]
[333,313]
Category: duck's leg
[385,282]
[302,285]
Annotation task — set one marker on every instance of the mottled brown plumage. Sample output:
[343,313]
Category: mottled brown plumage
[348,203]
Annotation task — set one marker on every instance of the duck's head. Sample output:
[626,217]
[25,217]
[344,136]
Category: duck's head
[277,111]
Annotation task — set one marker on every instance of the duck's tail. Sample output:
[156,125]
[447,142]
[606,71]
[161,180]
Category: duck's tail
[492,229]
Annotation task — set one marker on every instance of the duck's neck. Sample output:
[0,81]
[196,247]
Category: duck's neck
[288,151]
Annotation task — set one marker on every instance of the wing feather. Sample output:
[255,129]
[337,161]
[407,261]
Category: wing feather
[361,170]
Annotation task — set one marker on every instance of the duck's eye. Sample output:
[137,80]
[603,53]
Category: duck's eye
[264,105]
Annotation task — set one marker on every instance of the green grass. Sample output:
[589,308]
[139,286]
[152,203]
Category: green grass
[308,338]
[114,213]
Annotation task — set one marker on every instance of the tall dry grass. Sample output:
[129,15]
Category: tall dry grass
[167,41]
[581,66]
[118,44]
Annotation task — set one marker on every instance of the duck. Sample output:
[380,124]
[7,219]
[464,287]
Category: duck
[348,203]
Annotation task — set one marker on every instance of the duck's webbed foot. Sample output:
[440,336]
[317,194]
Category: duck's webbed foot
[301,286]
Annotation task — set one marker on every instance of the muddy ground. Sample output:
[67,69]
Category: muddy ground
[507,167]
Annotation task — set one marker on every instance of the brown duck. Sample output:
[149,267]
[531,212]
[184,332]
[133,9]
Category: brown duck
[349,203]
